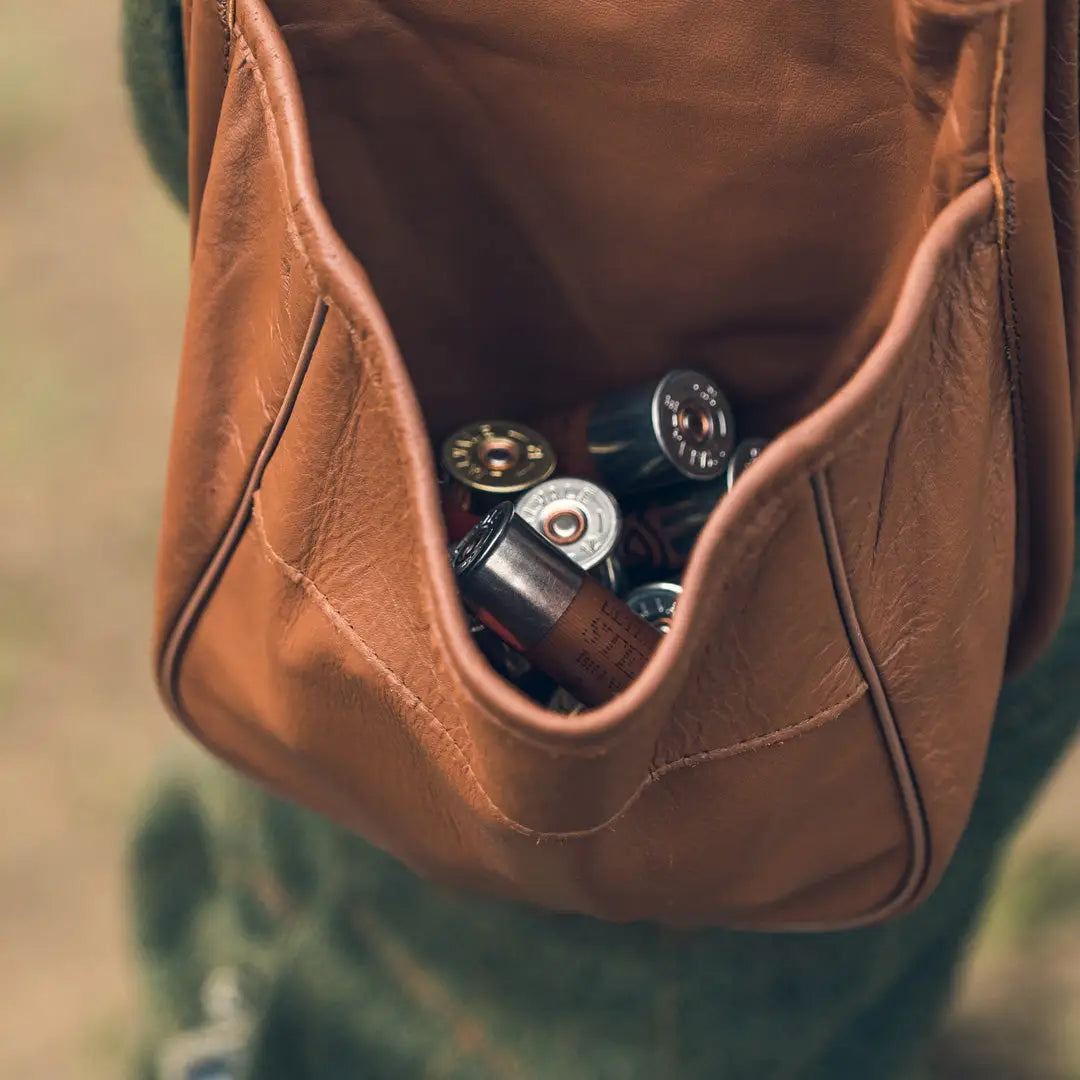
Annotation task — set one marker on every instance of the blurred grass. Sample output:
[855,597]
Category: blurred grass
[1040,893]
[1017,1010]
[92,284]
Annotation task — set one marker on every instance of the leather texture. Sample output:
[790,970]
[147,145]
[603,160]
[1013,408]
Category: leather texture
[411,215]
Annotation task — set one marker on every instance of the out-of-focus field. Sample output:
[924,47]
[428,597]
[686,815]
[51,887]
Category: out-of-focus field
[92,283]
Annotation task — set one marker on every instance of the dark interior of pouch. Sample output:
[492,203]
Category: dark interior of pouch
[556,199]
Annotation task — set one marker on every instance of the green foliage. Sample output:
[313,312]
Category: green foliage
[172,872]
[154,70]
[1037,895]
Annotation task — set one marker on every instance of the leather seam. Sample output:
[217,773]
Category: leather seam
[345,626]
[891,734]
[356,337]
[176,641]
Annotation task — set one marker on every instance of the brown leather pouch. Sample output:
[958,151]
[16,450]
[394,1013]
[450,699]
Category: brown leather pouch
[858,217]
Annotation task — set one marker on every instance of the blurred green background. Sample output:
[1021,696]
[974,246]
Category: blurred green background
[92,287]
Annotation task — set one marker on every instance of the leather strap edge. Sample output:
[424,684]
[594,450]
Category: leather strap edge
[906,782]
[176,640]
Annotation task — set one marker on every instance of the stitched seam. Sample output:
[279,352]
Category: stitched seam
[223,9]
[754,742]
[344,626]
[298,577]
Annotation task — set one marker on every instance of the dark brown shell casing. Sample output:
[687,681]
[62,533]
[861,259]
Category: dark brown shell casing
[597,648]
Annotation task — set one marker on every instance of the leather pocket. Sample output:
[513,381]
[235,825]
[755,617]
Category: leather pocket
[804,748]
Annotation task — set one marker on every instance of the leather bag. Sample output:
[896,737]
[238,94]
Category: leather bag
[859,217]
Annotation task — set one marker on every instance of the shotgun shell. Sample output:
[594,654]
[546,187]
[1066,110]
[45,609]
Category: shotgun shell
[677,429]
[655,603]
[486,462]
[541,602]
[581,519]
[746,453]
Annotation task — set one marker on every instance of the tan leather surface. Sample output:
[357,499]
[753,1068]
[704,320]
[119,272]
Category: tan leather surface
[1061,120]
[612,190]
[206,56]
[1036,342]
[832,212]
[232,384]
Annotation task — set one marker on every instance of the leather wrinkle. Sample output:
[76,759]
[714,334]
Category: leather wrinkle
[339,454]
[360,345]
